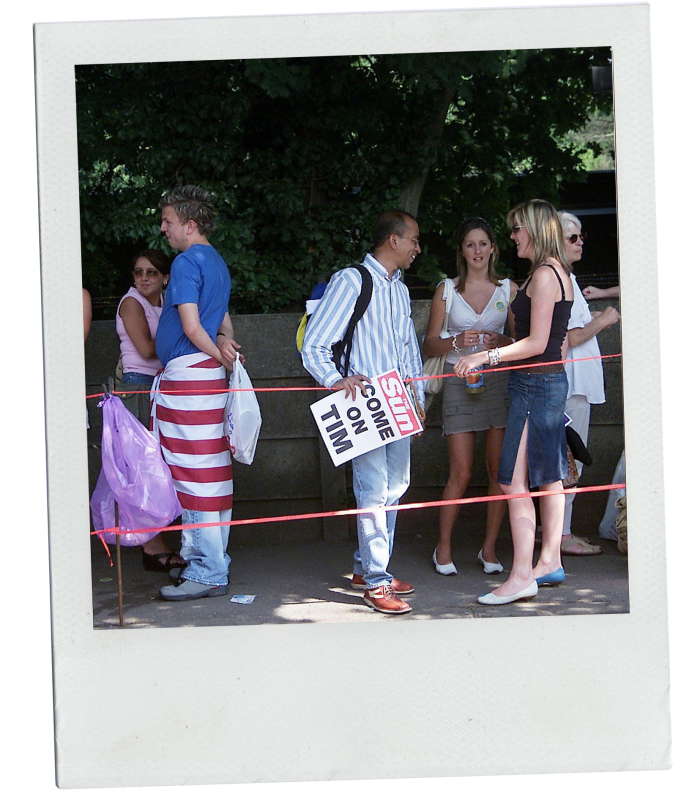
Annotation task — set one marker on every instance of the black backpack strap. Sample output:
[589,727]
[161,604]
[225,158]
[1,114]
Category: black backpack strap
[341,349]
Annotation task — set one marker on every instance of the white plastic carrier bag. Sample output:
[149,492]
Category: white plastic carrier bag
[242,420]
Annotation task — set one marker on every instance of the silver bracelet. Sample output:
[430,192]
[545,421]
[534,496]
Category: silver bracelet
[494,357]
[454,344]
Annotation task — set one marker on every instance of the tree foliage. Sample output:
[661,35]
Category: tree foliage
[302,154]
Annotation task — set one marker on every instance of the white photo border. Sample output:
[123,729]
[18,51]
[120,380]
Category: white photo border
[304,694]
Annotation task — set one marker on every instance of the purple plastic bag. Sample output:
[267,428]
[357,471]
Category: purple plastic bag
[135,475]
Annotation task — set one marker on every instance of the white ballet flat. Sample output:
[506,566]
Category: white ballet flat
[493,600]
[445,570]
[489,567]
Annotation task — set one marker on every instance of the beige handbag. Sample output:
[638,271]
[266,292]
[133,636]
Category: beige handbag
[434,365]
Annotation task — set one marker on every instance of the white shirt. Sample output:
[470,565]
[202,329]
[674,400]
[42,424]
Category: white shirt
[462,316]
[585,377]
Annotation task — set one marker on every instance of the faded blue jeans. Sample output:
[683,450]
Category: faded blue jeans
[380,478]
[204,550]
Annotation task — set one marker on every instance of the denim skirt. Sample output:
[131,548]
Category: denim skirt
[538,399]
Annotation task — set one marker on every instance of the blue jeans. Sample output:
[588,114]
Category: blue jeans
[204,550]
[137,378]
[139,402]
[380,478]
[538,399]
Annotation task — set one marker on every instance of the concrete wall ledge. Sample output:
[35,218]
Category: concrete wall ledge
[292,473]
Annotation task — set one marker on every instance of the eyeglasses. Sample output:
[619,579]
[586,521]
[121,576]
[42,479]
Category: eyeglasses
[138,273]
[572,238]
[414,240]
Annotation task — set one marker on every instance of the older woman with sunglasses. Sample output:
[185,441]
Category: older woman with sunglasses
[534,448]
[584,371]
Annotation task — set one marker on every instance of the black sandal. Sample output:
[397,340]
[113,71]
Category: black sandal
[162,562]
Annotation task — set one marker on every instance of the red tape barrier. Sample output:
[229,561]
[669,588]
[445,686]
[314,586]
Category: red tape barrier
[357,511]
[323,388]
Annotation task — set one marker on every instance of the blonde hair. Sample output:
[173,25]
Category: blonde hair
[544,228]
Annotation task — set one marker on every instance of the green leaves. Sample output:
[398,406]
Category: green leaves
[302,154]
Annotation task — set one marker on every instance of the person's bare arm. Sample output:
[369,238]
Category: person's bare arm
[136,325]
[594,293]
[194,331]
[87,313]
[601,321]
[226,343]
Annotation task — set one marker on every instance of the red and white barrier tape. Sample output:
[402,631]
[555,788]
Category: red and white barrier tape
[322,388]
[358,511]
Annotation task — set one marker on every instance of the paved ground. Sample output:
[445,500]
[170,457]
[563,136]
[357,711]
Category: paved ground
[309,583]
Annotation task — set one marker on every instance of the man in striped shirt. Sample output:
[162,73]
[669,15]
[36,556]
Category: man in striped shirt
[195,343]
[384,339]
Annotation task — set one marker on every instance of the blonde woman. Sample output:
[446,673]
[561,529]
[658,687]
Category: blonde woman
[534,447]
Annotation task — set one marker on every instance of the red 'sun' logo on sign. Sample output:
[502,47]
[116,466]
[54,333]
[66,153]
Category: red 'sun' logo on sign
[399,404]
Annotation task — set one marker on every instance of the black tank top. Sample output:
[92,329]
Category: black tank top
[560,321]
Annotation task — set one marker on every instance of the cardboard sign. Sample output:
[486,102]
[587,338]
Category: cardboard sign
[352,427]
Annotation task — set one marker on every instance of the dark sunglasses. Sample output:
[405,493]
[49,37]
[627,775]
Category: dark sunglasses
[572,238]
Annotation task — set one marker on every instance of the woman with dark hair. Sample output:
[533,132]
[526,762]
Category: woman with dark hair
[138,314]
[534,447]
[477,305]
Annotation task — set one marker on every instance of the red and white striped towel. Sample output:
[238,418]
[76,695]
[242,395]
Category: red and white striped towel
[190,428]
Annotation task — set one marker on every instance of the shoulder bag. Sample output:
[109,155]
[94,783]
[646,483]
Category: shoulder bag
[433,365]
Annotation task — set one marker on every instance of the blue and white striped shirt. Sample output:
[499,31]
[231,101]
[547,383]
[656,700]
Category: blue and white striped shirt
[384,339]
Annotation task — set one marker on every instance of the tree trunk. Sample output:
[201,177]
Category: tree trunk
[409,200]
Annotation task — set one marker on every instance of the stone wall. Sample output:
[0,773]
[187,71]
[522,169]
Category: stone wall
[292,473]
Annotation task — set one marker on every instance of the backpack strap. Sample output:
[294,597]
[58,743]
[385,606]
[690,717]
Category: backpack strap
[341,349]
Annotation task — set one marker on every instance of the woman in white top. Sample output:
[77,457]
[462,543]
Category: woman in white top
[585,378]
[478,314]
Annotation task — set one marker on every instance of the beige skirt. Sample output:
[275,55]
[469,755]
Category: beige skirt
[465,411]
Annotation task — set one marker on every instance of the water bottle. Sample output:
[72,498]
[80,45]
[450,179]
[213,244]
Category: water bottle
[475,377]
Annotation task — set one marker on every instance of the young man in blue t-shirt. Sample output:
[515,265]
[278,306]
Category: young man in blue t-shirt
[195,343]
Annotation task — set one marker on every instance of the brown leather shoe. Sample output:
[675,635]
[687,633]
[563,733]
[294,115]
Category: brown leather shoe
[401,588]
[383,599]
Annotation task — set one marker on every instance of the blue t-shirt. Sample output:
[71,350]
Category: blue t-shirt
[198,275]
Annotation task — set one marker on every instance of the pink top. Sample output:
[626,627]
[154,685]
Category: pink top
[132,361]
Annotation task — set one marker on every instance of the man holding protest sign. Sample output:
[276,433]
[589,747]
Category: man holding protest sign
[384,339]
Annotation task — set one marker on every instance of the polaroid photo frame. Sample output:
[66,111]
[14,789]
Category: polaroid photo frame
[279,700]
